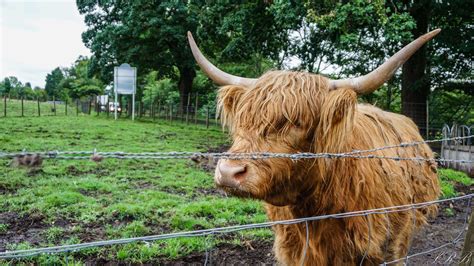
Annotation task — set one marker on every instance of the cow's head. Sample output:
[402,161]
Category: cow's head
[287,112]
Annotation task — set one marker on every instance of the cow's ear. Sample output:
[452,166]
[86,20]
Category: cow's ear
[228,98]
[336,121]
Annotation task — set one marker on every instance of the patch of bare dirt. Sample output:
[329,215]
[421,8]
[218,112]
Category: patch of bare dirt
[20,229]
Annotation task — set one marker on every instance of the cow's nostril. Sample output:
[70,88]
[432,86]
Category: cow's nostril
[241,174]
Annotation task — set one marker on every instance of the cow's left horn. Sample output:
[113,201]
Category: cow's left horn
[218,76]
[370,82]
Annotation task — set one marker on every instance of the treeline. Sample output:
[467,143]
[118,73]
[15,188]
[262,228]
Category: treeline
[66,83]
[335,38]
[14,88]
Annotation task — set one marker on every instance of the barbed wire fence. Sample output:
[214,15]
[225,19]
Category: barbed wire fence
[96,155]
[230,229]
[356,154]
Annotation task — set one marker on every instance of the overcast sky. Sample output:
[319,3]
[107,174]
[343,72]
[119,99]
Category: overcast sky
[37,36]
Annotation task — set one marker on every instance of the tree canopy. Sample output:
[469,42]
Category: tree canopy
[336,38]
[53,84]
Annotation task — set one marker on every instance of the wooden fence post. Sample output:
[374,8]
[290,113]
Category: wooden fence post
[65,112]
[5,105]
[159,109]
[90,106]
[207,117]
[107,109]
[171,112]
[54,105]
[39,109]
[196,108]
[467,257]
[22,110]
[77,107]
[187,108]
[152,110]
[140,109]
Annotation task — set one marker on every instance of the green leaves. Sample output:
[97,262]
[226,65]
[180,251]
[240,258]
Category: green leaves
[53,81]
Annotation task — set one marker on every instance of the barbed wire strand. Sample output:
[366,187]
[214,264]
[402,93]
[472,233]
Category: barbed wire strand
[453,242]
[220,230]
[78,155]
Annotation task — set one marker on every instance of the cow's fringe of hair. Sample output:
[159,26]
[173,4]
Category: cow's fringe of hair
[266,108]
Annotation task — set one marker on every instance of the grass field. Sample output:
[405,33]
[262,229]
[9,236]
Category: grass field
[76,201]
[30,108]
[69,202]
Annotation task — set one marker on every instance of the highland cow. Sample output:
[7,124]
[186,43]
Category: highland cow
[293,112]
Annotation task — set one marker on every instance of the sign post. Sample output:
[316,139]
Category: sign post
[125,80]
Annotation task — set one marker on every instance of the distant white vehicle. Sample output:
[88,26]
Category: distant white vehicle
[112,106]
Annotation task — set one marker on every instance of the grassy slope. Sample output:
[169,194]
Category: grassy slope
[115,198]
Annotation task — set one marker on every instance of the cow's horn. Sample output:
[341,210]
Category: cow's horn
[370,82]
[218,76]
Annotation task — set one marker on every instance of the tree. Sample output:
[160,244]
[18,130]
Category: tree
[255,31]
[152,35]
[148,34]
[78,82]
[53,84]
[363,33]
[6,86]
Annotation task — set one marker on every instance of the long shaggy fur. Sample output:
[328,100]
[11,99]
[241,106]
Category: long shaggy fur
[295,112]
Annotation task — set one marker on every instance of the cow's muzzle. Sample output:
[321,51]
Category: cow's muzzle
[230,174]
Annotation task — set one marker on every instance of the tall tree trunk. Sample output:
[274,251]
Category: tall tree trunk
[415,75]
[185,84]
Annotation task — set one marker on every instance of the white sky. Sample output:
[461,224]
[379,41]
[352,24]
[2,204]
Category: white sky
[37,36]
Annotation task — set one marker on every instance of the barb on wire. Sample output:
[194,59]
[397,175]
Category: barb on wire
[220,230]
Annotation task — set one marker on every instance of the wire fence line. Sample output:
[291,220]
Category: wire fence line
[75,155]
[98,156]
[230,229]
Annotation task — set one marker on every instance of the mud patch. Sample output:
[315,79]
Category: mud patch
[26,228]
[74,171]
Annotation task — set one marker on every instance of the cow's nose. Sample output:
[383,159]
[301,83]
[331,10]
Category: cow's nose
[230,174]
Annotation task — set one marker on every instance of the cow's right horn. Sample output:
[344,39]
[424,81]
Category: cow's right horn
[218,76]
[372,81]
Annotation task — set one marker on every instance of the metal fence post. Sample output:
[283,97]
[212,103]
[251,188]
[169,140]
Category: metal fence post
[5,105]
[65,102]
[77,107]
[22,110]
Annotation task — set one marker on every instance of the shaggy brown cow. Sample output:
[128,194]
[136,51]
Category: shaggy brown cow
[292,112]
